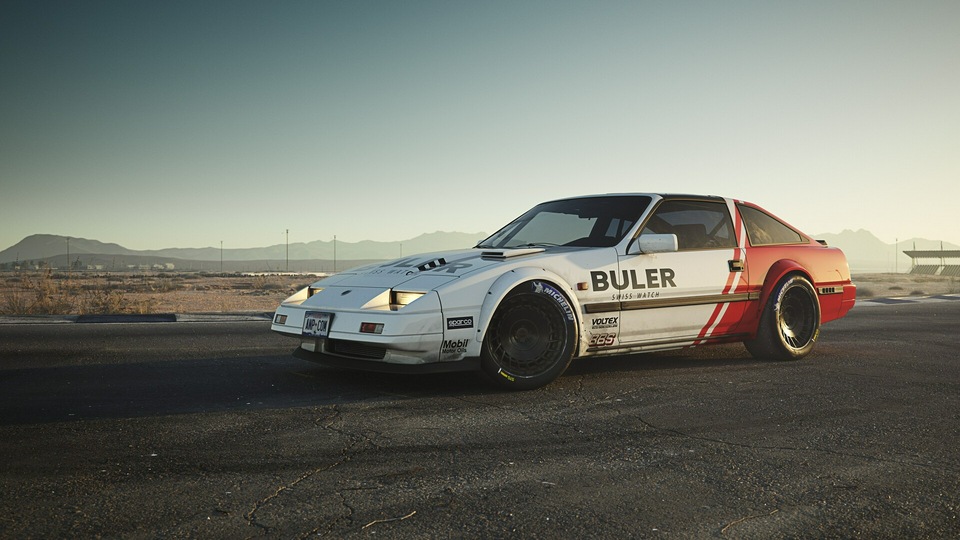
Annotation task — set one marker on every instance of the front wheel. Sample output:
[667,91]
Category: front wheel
[531,338]
[790,322]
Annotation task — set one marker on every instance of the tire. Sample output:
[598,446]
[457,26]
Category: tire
[790,322]
[531,338]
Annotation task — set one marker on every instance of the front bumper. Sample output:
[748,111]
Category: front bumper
[409,336]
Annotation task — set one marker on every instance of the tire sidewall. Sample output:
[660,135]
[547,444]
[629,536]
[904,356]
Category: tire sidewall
[562,309]
[787,351]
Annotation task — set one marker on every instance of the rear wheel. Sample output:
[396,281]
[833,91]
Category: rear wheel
[531,338]
[790,322]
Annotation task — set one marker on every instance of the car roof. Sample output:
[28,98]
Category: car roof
[665,196]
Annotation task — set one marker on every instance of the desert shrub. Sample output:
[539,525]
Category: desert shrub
[917,292]
[896,288]
[113,301]
[141,306]
[15,303]
[38,295]
[163,285]
[102,301]
[273,287]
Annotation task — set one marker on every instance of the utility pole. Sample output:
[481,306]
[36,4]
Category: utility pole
[896,251]
[334,254]
[221,256]
[288,250]
[68,257]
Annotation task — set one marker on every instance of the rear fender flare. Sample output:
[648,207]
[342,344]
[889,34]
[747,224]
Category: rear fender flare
[508,282]
[777,272]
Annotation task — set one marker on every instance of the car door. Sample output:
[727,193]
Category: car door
[684,295]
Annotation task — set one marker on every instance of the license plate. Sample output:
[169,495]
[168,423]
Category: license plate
[317,324]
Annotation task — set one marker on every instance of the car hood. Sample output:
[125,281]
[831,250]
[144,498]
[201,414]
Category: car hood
[427,271]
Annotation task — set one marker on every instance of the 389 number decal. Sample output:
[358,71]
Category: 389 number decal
[602,340]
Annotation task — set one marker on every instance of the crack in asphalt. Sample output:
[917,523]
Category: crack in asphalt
[327,421]
[251,515]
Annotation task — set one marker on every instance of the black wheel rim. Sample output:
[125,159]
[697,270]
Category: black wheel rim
[797,319]
[527,337]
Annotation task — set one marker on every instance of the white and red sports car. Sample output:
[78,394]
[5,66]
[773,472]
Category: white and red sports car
[578,277]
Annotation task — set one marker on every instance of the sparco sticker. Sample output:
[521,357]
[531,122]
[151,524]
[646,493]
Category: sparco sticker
[459,322]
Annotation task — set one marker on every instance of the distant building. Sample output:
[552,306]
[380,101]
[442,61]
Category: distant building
[935,262]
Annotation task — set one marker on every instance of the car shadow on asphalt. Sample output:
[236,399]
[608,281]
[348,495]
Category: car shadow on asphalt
[715,356]
[156,388]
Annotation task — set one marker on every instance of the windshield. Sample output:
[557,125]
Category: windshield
[586,222]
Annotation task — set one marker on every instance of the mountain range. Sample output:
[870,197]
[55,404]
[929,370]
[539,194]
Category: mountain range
[865,252]
[319,255]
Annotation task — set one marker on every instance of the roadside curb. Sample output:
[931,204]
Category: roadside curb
[872,302]
[153,317]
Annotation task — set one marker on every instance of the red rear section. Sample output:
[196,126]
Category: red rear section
[826,267]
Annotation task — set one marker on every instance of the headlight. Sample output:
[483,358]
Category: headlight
[313,290]
[298,297]
[399,299]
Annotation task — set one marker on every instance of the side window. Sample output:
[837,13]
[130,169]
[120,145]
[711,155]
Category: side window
[765,230]
[697,224]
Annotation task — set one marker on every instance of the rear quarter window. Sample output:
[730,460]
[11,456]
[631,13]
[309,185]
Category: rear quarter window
[766,230]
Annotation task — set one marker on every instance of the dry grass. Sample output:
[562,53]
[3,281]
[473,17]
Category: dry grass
[48,293]
[897,285]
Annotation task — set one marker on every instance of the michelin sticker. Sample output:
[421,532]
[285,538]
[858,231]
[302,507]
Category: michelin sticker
[543,288]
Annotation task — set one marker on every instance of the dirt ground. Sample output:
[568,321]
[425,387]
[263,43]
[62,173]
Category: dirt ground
[901,285]
[40,293]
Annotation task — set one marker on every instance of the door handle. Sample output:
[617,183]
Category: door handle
[736,265]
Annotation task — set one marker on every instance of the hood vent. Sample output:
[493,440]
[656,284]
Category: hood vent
[509,253]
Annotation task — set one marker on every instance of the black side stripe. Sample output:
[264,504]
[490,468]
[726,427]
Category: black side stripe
[602,307]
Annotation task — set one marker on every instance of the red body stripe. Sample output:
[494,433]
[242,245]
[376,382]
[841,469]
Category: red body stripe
[730,316]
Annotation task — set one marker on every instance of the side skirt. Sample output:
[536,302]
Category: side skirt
[677,343]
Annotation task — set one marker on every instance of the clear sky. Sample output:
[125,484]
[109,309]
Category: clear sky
[183,124]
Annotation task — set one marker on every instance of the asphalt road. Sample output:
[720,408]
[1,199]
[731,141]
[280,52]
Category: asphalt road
[212,430]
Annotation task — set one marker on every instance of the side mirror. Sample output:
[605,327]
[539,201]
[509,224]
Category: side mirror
[653,243]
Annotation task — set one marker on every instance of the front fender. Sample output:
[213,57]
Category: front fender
[507,282]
